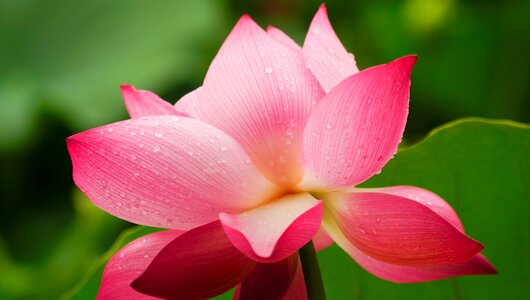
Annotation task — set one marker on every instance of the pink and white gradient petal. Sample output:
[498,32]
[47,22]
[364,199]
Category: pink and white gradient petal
[140,103]
[165,171]
[129,263]
[280,36]
[326,56]
[268,280]
[258,90]
[188,102]
[322,240]
[275,230]
[398,230]
[356,129]
[200,264]
[425,197]
[476,265]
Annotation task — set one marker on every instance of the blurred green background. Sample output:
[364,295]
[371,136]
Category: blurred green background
[62,61]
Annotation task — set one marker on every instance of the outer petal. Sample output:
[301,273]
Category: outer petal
[141,103]
[165,171]
[268,281]
[322,240]
[276,230]
[400,231]
[188,103]
[280,36]
[326,56]
[201,263]
[476,265]
[259,91]
[297,290]
[425,197]
[129,263]
[356,128]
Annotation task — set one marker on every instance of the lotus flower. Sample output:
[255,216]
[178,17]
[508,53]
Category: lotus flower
[259,161]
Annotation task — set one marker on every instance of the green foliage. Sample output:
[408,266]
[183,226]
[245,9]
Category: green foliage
[482,168]
[68,58]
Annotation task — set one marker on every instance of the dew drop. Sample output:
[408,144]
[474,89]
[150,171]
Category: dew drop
[159,134]
[156,149]
[268,70]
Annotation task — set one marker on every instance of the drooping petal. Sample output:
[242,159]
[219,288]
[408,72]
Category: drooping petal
[258,91]
[400,231]
[322,240]
[476,265]
[326,56]
[355,130]
[268,281]
[280,36]
[142,103]
[200,264]
[275,230]
[425,197]
[297,290]
[128,263]
[165,171]
[188,103]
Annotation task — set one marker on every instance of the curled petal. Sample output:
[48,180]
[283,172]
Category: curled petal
[129,263]
[275,230]
[165,171]
[268,280]
[326,56]
[258,91]
[142,103]
[201,263]
[355,130]
[400,231]
[476,265]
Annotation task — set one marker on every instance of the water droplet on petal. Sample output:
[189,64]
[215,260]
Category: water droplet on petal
[268,70]
[159,134]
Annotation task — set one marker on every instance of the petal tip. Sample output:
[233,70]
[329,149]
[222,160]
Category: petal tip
[322,9]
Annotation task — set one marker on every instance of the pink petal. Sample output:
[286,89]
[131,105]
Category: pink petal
[356,128]
[400,231]
[258,91]
[326,56]
[280,36]
[268,281]
[201,263]
[275,230]
[141,103]
[129,263]
[425,197]
[476,265]
[188,103]
[322,240]
[297,290]
[165,171]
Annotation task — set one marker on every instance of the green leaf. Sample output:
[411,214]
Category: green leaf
[88,287]
[482,168]
[68,58]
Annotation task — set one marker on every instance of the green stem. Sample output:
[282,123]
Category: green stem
[313,278]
